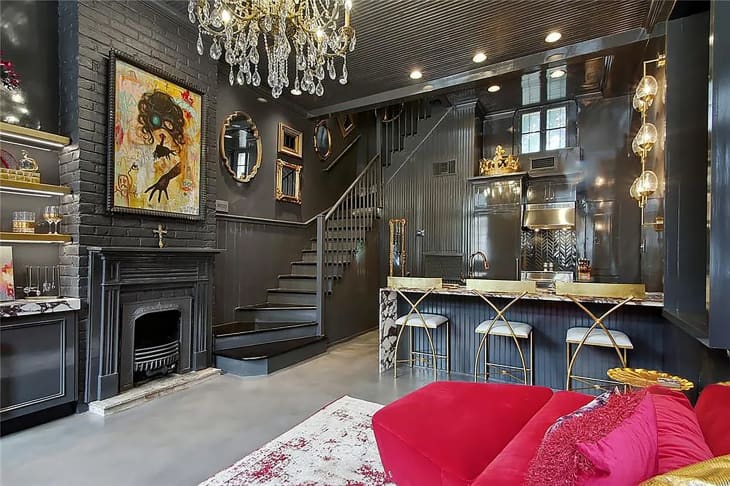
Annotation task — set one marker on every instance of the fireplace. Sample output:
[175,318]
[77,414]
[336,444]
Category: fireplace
[149,315]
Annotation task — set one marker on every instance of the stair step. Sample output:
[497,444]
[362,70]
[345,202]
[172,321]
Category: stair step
[302,282]
[289,296]
[274,313]
[336,244]
[265,358]
[236,334]
[304,268]
[330,256]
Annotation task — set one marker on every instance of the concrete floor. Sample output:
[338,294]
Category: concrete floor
[186,437]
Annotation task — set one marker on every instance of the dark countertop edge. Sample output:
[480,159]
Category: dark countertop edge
[693,327]
[544,297]
[167,249]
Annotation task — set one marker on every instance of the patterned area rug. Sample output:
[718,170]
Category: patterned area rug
[334,447]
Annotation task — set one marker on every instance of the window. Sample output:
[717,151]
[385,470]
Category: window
[556,82]
[531,88]
[546,128]
[530,132]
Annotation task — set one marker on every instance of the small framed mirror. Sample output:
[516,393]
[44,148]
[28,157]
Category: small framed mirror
[322,140]
[290,141]
[240,146]
[397,248]
[288,182]
[347,123]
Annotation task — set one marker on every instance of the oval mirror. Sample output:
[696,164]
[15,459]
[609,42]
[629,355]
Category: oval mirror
[240,146]
[322,140]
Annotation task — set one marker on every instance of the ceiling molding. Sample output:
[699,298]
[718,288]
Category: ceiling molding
[490,71]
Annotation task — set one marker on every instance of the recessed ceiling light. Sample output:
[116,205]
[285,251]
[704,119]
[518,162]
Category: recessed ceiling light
[553,36]
[296,92]
[494,88]
[555,57]
[416,74]
[262,100]
[558,73]
[479,57]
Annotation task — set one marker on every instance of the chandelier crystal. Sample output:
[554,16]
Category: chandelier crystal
[310,29]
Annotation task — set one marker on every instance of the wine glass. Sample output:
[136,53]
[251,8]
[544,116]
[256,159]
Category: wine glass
[53,216]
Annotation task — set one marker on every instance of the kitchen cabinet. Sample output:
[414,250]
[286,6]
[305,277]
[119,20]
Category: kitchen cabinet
[546,190]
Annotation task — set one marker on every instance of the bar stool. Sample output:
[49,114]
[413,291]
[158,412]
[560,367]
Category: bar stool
[514,330]
[415,318]
[593,336]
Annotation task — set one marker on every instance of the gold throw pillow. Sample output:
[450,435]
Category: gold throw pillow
[715,472]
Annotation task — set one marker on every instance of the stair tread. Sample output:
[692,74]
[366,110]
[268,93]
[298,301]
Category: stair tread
[267,350]
[304,263]
[274,306]
[280,290]
[292,276]
[239,327]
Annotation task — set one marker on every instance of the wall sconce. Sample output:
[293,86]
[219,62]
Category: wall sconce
[647,183]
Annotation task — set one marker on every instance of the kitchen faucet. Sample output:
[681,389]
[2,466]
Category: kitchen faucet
[472,257]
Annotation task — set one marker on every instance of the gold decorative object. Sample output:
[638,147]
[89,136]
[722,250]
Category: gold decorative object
[28,163]
[290,141]
[641,378]
[240,146]
[288,182]
[712,472]
[397,247]
[17,175]
[501,163]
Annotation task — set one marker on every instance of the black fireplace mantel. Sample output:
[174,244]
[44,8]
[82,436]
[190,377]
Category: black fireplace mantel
[118,274]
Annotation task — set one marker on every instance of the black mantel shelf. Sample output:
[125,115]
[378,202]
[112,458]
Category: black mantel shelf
[167,249]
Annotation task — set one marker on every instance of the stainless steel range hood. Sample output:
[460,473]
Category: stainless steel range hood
[549,216]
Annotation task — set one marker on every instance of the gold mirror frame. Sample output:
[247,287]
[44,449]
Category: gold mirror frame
[392,223]
[295,151]
[322,123]
[222,147]
[347,123]
[279,192]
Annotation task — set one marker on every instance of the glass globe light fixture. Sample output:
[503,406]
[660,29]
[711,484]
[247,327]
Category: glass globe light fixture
[633,191]
[641,105]
[635,147]
[647,88]
[646,137]
[647,183]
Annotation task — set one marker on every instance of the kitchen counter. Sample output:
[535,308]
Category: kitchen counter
[652,299]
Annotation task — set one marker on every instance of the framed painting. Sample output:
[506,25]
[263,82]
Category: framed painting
[346,121]
[7,283]
[156,138]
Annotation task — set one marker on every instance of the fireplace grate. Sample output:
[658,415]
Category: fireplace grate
[156,357]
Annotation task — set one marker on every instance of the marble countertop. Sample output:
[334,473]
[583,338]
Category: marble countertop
[652,299]
[30,307]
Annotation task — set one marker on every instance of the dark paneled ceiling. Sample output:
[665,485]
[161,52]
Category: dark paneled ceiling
[440,37]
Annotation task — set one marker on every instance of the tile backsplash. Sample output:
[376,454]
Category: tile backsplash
[556,246]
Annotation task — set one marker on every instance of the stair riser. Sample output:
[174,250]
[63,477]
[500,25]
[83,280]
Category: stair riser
[331,256]
[349,223]
[247,339]
[351,234]
[265,366]
[291,298]
[310,270]
[276,315]
[336,245]
[298,283]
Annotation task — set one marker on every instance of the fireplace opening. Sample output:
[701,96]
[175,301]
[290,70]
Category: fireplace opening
[156,345]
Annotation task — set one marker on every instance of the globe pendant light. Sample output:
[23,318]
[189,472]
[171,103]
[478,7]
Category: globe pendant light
[647,89]
[646,137]
[647,183]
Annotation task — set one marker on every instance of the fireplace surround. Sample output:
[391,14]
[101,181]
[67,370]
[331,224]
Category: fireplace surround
[135,287]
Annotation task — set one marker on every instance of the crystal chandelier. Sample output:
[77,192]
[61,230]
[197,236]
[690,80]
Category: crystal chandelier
[310,27]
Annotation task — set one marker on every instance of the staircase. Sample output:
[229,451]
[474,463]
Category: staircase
[288,327]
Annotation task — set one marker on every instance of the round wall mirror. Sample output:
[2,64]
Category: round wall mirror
[322,140]
[240,146]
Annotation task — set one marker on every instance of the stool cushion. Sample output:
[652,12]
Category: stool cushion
[432,320]
[499,328]
[598,337]
[511,465]
[445,432]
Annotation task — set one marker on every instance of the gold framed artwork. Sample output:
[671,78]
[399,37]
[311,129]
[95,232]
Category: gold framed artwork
[155,139]
[288,182]
[289,141]
[346,121]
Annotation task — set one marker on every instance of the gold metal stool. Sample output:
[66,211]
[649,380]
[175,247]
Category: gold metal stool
[505,328]
[593,336]
[415,318]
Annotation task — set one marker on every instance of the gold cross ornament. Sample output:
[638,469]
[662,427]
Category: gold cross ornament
[160,232]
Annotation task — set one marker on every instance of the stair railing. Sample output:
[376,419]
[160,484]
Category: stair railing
[341,230]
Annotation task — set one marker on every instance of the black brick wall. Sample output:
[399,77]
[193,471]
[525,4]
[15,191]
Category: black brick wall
[87,32]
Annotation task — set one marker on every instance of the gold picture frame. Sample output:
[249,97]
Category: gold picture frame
[288,182]
[290,141]
[347,124]
[226,130]
[397,247]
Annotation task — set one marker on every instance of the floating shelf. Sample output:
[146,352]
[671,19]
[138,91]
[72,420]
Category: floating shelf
[32,188]
[7,237]
[31,137]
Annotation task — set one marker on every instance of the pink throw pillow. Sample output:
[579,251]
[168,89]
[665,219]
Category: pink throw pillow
[628,454]
[680,438]
[558,460]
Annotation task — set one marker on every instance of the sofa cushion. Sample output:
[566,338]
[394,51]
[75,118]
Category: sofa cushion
[628,454]
[448,432]
[713,415]
[681,442]
[510,465]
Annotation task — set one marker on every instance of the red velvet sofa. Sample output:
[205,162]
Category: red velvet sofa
[459,434]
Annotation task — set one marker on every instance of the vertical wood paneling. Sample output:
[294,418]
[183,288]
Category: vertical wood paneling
[550,322]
